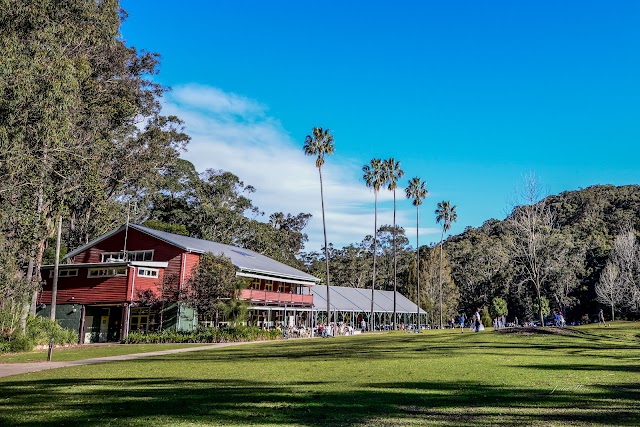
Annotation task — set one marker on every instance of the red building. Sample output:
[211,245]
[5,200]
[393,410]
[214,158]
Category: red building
[99,286]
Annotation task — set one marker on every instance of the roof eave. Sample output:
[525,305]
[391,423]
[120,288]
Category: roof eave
[276,274]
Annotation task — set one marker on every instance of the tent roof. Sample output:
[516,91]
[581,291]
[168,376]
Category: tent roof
[358,299]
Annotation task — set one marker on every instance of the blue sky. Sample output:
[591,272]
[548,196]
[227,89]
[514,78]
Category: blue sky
[469,96]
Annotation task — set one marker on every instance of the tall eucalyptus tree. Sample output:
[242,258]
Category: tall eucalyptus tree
[445,214]
[320,143]
[393,173]
[417,191]
[375,178]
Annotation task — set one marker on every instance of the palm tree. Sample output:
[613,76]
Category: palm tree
[374,177]
[417,191]
[445,214]
[393,173]
[320,143]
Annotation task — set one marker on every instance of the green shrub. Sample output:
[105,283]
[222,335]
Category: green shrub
[498,307]
[204,335]
[485,317]
[20,343]
[4,346]
[40,330]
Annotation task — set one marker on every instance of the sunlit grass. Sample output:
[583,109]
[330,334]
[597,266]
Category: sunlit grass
[87,352]
[442,378]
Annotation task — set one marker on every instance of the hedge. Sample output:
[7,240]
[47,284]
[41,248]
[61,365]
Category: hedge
[204,335]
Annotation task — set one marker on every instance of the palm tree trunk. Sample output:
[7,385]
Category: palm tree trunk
[441,240]
[418,267]
[395,263]
[372,320]
[326,249]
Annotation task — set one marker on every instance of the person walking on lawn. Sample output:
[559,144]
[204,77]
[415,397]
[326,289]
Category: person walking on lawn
[601,319]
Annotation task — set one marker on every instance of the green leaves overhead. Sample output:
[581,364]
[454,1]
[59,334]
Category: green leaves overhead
[416,190]
[446,214]
[374,175]
[319,143]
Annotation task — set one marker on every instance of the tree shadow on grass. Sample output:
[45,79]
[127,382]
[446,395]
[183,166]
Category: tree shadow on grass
[383,347]
[169,401]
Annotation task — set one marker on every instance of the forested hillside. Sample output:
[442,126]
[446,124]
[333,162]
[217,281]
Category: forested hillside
[483,264]
[585,225]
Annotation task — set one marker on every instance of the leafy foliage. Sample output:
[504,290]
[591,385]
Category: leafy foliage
[205,335]
[498,307]
[213,287]
[586,223]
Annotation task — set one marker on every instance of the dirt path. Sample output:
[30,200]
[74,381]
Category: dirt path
[9,369]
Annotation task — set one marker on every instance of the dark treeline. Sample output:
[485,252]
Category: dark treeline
[352,266]
[585,225]
[83,141]
[484,263]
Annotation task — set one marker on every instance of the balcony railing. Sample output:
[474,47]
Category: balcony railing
[276,297]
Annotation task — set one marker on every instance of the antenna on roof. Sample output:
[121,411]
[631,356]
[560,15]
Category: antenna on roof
[126,230]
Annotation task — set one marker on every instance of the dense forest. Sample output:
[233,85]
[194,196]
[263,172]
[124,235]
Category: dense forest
[84,143]
[586,224]
[481,263]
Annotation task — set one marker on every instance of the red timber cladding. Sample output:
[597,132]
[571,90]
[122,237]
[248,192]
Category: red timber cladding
[141,283]
[86,290]
[136,241]
[191,261]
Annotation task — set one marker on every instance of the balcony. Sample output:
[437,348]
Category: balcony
[278,298]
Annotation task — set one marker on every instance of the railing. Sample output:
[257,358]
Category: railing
[276,297]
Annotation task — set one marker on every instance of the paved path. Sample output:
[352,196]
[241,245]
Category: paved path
[8,369]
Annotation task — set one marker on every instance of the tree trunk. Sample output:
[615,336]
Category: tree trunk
[540,306]
[395,264]
[372,321]
[326,248]
[36,279]
[24,312]
[441,240]
[54,286]
[612,312]
[418,267]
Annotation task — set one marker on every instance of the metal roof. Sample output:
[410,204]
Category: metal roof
[243,259]
[359,299]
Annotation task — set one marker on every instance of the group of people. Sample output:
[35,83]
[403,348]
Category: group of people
[559,319]
[475,323]
[499,322]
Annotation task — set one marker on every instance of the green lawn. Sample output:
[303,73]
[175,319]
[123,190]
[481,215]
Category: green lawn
[88,352]
[439,378]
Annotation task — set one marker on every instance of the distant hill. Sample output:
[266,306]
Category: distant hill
[588,219]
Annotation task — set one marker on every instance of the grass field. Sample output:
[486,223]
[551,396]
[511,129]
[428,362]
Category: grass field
[88,352]
[590,377]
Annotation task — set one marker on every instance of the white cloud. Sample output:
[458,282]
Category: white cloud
[211,99]
[234,133]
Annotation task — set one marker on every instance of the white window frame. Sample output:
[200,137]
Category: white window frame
[268,285]
[109,272]
[71,272]
[120,256]
[142,272]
